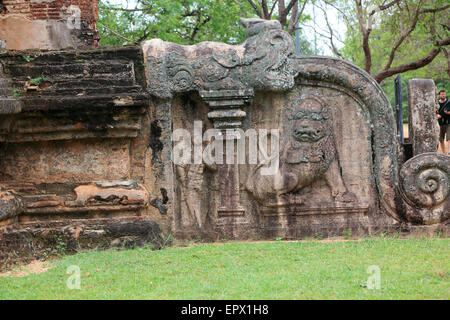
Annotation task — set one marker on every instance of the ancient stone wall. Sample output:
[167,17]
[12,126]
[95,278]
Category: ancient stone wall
[48,24]
[338,166]
[74,141]
[91,142]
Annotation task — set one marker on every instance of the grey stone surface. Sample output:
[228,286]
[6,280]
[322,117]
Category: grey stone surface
[84,151]
[320,156]
[263,61]
[10,205]
[425,185]
[8,103]
[422,124]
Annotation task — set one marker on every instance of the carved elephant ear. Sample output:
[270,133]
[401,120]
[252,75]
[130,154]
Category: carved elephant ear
[256,26]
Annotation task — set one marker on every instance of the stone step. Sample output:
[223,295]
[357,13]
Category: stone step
[117,90]
[5,87]
[10,106]
[71,70]
[48,103]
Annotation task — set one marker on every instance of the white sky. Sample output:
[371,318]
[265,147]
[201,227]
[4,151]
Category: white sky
[321,27]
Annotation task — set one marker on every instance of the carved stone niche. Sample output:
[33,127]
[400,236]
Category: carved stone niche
[337,154]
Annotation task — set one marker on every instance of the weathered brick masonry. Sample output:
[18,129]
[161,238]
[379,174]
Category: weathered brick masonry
[47,24]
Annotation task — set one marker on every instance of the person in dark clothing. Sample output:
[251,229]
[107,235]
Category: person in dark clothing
[443,116]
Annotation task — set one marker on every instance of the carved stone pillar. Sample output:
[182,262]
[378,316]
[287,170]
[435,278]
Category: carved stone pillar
[227,115]
[423,126]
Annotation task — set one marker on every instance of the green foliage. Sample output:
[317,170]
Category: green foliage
[347,233]
[167,241]
[61,247]
[438,233]
[37,81]
[179,21]
[16,93]
[388,26]
[318,236]
[443,85]
[410,269]
[306,47]
[388,86]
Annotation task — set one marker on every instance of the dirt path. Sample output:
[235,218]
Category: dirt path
[24,270]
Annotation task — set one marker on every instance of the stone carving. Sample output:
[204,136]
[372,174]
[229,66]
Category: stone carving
[425,184]
[263,61]
[104,115]
[10,205]
[180,72]
[228,115]
[191,180]
[106,196]
[309,153]
[318,174]
[225,76]
[423,129]
[110,193]
[269,49]
[353,79]
[87,94]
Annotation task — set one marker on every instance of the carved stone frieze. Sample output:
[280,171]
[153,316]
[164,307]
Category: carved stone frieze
[263,61]
[87,137]
[308,153]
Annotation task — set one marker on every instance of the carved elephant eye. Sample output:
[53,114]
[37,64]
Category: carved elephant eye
[276,40]
[280,42]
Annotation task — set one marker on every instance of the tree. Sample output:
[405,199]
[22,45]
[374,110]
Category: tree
[287,13]
[179,21]
[187,21]
[388,38]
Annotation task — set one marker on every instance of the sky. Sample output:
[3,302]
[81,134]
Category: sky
[320,25]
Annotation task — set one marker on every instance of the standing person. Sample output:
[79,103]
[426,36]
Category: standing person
[443,115]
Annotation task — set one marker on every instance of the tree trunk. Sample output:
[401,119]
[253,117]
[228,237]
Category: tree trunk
[416,64]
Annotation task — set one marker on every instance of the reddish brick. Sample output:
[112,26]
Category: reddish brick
[57,10]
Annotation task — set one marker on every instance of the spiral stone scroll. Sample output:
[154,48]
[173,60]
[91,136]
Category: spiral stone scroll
[425,185]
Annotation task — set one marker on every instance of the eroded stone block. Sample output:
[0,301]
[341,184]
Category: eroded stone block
[10,205]
[423,127]
[49,24]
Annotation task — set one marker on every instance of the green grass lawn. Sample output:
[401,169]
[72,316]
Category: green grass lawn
[410,269]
